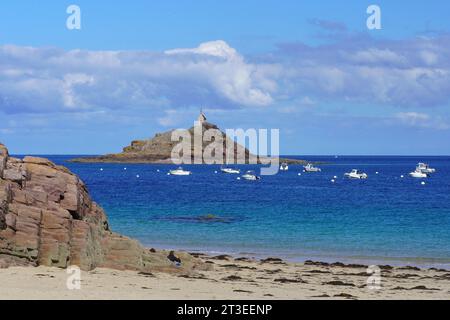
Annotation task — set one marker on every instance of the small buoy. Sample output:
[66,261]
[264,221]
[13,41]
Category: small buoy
[376,172]
[157,170]
[238,178]
[215,171]
[332,180]
[299,174]
[422,183]
[335,177]
[101,169]
[168,173]
[124,168]
[137,176]
[402,176]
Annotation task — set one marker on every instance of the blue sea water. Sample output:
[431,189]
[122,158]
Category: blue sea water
[385,219]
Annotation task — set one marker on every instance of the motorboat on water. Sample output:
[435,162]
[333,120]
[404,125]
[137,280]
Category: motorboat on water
[310,168]
[418,174]
[180,172]
[250,175]
[356,174]
[425,168]
[230,170]
[284,166]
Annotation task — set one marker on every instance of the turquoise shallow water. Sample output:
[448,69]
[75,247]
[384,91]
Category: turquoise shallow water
[385,219]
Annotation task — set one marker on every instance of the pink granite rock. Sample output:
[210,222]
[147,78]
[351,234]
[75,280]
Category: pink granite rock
[48,218]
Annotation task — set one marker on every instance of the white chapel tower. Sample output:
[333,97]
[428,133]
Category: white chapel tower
[201,118]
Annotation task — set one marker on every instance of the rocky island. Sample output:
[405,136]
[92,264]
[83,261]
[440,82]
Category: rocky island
[158,149]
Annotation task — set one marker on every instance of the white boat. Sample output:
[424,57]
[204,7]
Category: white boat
[230,170]
[180,172]
[356,174]
[418,174]
[310,168]
[425,168]
[284,167]
[250,175]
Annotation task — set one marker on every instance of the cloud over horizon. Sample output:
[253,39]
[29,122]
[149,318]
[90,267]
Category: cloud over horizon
[413,73]
[355,68]
[50,79]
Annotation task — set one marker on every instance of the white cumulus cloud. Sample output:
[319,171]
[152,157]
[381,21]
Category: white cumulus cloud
[422,120]
[43,79]
[402,73]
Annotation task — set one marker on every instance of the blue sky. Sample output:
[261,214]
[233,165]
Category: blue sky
[310,68]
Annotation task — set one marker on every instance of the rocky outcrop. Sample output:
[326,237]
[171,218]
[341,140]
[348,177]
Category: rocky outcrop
[159,148]
[48,218]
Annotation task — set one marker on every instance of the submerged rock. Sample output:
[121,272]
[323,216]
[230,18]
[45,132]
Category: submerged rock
[48,218]
[209,218]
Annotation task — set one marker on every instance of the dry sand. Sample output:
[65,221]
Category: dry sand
[229,279]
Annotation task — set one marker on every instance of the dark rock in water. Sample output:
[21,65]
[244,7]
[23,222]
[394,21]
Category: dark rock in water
[316,263]
[386,267]
[47,218]
[212,218]
[343,265]
[357,266]
[409,268]
[337,264]
[209,218]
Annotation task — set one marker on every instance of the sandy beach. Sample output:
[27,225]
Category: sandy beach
[230,278]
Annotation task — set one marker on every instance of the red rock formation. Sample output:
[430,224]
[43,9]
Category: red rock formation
[48,218]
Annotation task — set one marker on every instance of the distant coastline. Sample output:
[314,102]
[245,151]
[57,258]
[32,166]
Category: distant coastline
[148,159]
